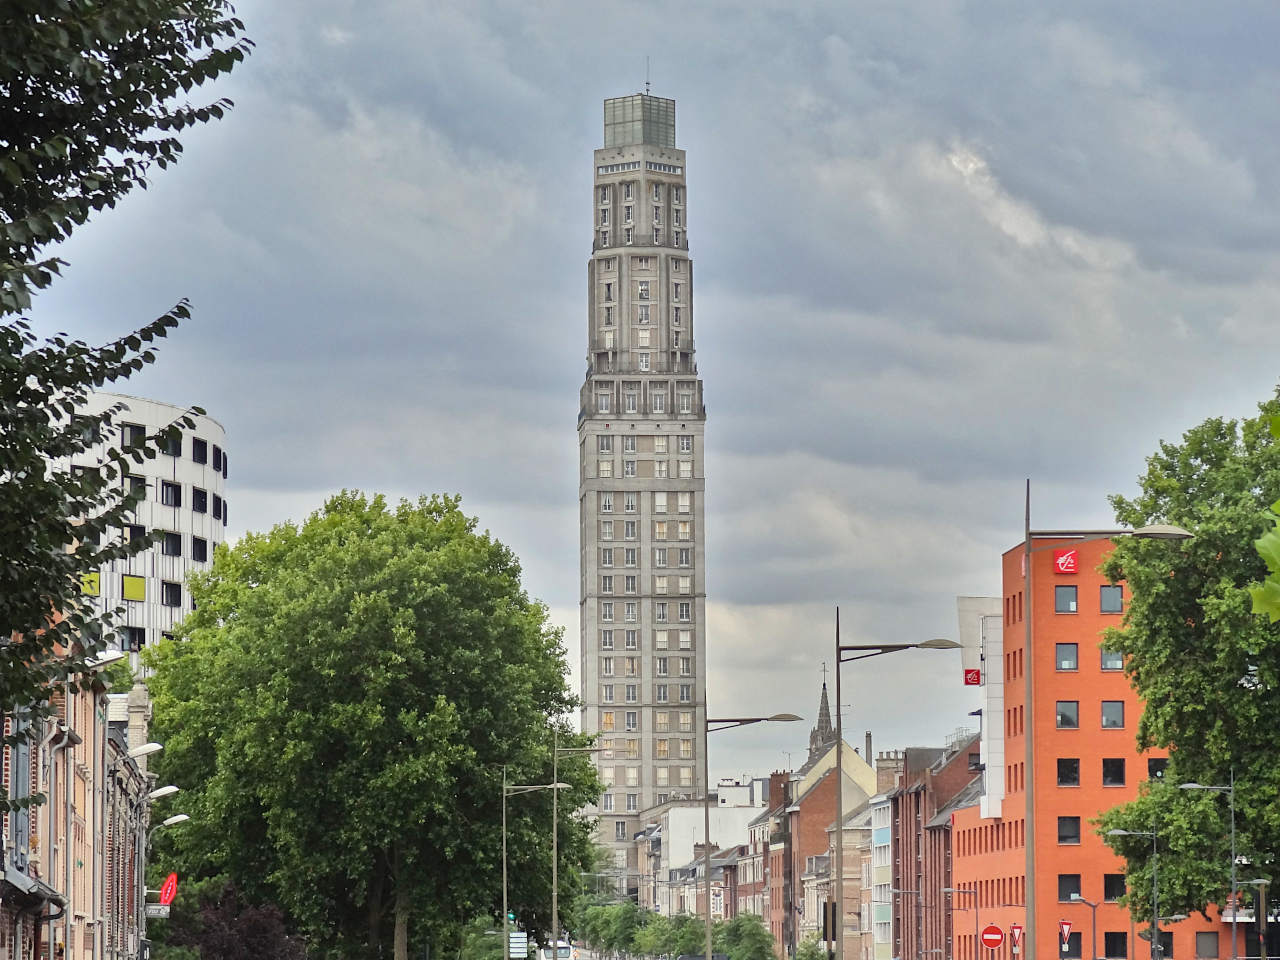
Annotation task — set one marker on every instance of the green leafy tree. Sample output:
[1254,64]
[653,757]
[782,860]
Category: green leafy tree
[1266,597]
[481,940]
[744,937]
[89,106]
[215,922]
[1206,667]
[343,701]
[810,949]
[690,935]
[656,938]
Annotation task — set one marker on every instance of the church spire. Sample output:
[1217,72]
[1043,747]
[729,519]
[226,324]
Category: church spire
[823,735]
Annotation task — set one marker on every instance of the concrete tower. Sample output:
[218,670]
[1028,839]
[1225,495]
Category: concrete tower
[641,482]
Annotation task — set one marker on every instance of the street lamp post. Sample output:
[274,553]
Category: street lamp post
[709,727]
[1093,909]
[1230,791]
[1154,531]
[858,651]
[1155,890]
[1262,915]
[974,894]
[511,790]
[556,750]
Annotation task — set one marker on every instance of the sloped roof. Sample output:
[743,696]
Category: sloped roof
[967,797]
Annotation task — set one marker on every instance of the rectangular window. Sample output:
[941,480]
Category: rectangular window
[1071,949]
[133,588]
[171,545]
[602,403]
[604,443]
[642,340]
[136,532]
[170,494]
[660,530]
[1067,656]
[657,214]
[632,693]
[604,218]
[137,487]
[629,556]
[659,502]
[1207,944]
[660,639]
[628,468]
[1068,886]
[658,402]
[629,584]
[170,593]
[606,557]
[684,502]
[686,666]
[1112,886]
[633,721]
[629,444]
[606,693]
[1166,944]
[1156,767]
[1112,660]
[660,585]
[660,556]
[1113,771]
[675,316]
[686,639]
[686,443]
[1069,830]
[686,469]
[642,289]
[628,529]
[199,500]
[686,693]
[642,313]
[606,529]
[199,549]
[606,639]
[1111,599]
[685,585]
[633,802]
[684,529]
[199,450]
[604,238]
[606,503]
[628,503]
[606,584]
[686,749]
[686,721]
[606,802]
[660,468]
[686,403]
[686,776]
[135,637]
[1068,714]
[661,721]
[132,435]
[685,555]
[606,612]
[660,612]
[606,720]
[1068,771]
[660,666]
[631,401]
[1112,714]
[604,468]
[604,194]
[1115,945]
[631,611]
[644,361]
[657,192]
[660,446]
[1064,599]
[171,442]
[660,693]
[620,830]
[661,749]
[686,611]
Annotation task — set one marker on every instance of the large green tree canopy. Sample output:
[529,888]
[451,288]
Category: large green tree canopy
[339,709]
[1207,668]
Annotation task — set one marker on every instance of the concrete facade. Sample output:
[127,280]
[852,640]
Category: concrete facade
[183,494]
[641,479]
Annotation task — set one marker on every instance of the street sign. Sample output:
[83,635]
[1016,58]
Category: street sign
[1015,934]
[169,889]
[157,911]
[1064,928]
[518,941]
[992,937]
[973,678]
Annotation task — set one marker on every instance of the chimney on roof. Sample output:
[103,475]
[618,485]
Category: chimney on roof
[869,753]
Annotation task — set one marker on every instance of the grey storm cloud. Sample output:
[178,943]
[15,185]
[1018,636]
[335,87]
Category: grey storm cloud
[939,248]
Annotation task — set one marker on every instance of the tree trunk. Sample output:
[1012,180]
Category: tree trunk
[401,946]
[375,910]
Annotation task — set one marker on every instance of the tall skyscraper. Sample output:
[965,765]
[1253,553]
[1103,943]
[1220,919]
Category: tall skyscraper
[641,481]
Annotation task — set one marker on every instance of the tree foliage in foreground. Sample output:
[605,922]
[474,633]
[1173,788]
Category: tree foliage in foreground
[339,708]
[211,920]
[1207,668]
[88,104]
[1266,596]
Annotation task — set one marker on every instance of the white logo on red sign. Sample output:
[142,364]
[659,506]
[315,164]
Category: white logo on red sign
[973,678]
[992,937]
[1015,933]
[1066,561]
[1064,927]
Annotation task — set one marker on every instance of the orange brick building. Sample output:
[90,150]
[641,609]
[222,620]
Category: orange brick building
[1059,742]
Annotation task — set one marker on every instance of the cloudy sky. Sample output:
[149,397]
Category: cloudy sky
[941,247]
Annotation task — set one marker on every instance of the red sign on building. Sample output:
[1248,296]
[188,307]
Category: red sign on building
[1015,933]
[1066,561]
[1064,927]
[169,889]
[992,937]
[973,678]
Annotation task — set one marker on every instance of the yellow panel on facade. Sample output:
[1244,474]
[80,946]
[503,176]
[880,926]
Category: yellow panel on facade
[91,584]
[135,588]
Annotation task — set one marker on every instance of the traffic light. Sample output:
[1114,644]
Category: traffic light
[511,915]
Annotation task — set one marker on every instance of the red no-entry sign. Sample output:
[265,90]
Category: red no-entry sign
[992,937]
[169,889]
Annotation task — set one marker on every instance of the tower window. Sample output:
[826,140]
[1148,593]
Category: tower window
[626,214]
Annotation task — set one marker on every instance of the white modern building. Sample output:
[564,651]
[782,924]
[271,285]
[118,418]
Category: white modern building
[640,444]
[183,492]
